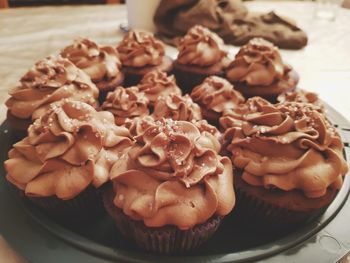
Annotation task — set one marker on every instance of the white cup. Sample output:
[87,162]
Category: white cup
[327,9]
[141,13]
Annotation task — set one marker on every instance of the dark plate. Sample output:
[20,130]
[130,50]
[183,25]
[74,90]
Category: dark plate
[235,241]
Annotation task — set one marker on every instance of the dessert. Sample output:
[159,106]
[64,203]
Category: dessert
[66,158]
[156,83]
[48,81]
[173,191]
[258,70]
[215,95]
[176,107]
[211,135]
[201,54]
[289,159]
[126,104]
[141,53]
[102,64]
[300,95]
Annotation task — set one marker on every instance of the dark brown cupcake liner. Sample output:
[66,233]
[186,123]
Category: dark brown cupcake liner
[270,93]
[211,116]
[132,79]
[18,126]
[107,86]
[85,206]
[162,240]
[271,216]
[133,76]
[188,80]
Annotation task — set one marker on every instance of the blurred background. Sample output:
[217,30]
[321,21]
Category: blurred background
[20,3]
[23,3]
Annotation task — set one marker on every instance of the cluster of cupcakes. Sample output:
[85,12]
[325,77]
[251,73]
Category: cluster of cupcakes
[164,155]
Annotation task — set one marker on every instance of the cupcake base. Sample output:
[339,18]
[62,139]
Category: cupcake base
[187,77]
[134,75]
[163,240]
[107,86]
[85,206]
[18,126]
[271,92]
[211,116]
[276,208]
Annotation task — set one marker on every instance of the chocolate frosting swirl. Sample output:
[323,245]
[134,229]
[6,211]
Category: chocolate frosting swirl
[67,149]
[234,117]
[138,125]
[156,83]
[210,135]
[50,80]
[303,96]
[287,146]
[100,63]
[140,49]
[216,94]
[177,107]
[126,104]
[257,63]
[172,178]
[200,47]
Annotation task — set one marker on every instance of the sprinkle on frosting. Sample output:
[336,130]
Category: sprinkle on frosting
[200,47]
[50,80]
[216,94]
[156,83]
[126,104]
[100,63]
[173,178]
[177,107]
[67,149]
[257,63]
[287,146]
[140,49]
[303,96]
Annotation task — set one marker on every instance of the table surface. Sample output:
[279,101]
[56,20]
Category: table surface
[30,34]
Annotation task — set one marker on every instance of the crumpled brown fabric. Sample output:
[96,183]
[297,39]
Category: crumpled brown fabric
[230,19]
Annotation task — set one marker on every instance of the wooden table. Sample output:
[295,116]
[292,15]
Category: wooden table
[29,34]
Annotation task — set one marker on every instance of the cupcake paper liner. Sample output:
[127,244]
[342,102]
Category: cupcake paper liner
[163,240]
[269,93]
[87,205]
[133,76]
[270,215]
[18,126]
[105,87]
[187,80]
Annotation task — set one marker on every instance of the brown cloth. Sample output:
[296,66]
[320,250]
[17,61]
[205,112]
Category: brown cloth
[228,18]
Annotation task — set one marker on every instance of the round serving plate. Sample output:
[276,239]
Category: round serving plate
[40,238]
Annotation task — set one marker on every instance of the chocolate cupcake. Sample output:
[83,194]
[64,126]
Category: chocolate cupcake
[200,55]
[171,194]
[156,83]
[176,107]
[66,158]
[212,137]
[48,81]
[101,64]
[289,159]
[141,53]
[126,104]
[300,95]
[215,95]
[258,70]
